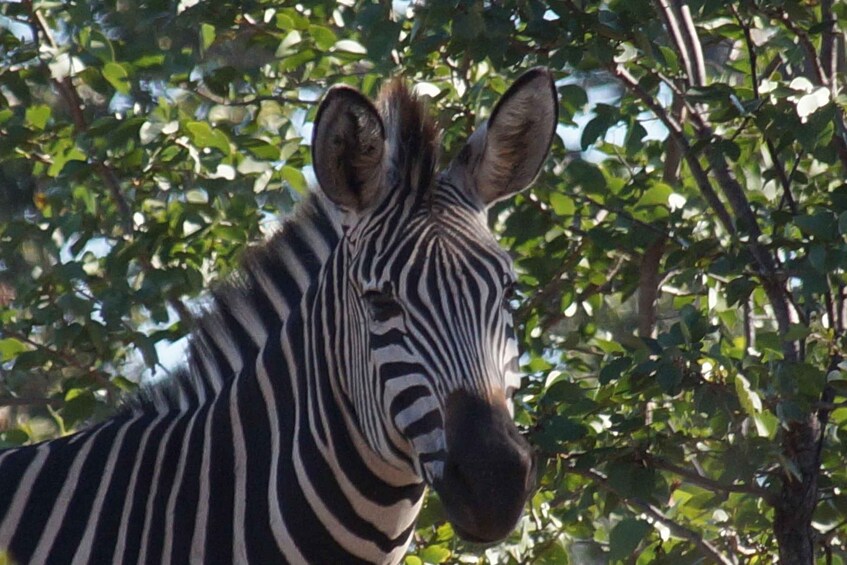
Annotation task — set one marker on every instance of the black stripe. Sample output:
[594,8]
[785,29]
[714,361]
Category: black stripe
[425,424]
[79,508]
[167,471]
[256,434]
[109,519]
[185,509]
[408,397]
[13,469]
[43,496]
[143,488]
[221,484]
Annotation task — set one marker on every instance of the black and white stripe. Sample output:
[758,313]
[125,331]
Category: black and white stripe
[316,402]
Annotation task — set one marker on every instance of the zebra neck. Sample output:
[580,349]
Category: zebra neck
[336,497]
[249,310]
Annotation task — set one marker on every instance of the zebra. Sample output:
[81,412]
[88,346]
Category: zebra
[365,351]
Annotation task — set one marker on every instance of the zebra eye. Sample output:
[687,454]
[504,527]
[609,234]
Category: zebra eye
[382,305]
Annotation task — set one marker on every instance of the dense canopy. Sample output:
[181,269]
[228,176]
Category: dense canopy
[681,259]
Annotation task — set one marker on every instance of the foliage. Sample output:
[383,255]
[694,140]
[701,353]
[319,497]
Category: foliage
[682,257]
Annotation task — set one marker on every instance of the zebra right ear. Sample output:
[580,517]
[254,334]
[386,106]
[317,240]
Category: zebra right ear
[348,145]
[506,153]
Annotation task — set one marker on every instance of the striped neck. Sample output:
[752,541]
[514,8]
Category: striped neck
[249,309]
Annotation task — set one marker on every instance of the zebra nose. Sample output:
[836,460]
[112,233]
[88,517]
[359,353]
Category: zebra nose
[489,471]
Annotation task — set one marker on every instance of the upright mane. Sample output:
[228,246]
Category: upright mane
[276,273]
[412,135]
[228,333]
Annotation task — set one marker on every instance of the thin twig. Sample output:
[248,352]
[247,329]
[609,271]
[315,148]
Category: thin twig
[700,480]
[754,80]
[675,131]
[30,401]
[71,98]
[706,547]
[219,100]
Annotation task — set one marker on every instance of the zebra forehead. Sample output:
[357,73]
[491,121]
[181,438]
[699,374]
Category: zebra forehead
[442,249]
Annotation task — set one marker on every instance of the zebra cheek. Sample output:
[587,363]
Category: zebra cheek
[489,470]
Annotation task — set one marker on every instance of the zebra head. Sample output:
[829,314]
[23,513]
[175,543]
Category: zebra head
[425,351]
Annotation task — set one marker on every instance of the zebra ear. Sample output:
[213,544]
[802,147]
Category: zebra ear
[504,155]
[348,144]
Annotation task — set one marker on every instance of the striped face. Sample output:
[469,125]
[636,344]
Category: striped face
[435,296]
[430,359]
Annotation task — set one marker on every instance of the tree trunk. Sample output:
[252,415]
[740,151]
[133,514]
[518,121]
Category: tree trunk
[799,495]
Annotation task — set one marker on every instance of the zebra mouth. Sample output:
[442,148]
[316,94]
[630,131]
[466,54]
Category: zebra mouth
[489,471]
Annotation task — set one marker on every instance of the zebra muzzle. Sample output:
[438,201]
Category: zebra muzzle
[489,471]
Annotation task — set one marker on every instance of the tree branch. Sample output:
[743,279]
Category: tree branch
[30,401]
[692,43]
[821,74]
[693,70]
[754,80]
[700,480]
[678,530]
[675,131]
[70,97]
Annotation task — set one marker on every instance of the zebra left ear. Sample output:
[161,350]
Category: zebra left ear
[348,144]
[505,154]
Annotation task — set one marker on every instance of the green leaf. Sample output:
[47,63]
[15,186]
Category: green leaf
[557,432]
[613,370]
[324,37]
[124,384]
[350,46]
[207,35]
[260,149]
[588,175]
[38,115]
[434,554]
[13,438]
[626,536]
[553,554]
[10,348]
[295,178]
[749,399]
[572,97]
[203,135]
[656,195]
[563,205]
[820,225]
[669,377]
[79,405]
[117,76]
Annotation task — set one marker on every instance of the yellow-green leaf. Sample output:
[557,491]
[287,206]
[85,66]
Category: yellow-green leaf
[117,76]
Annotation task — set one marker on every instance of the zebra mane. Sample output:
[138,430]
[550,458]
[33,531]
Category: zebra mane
[413,136]
[245,309]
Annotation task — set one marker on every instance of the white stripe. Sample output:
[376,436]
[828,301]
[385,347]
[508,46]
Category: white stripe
[154,489]
[10,522]
[83,551]
[283,538]
[280,304]
[63,501]
[239,517]
[170,509]
[198,541]
[120,547]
